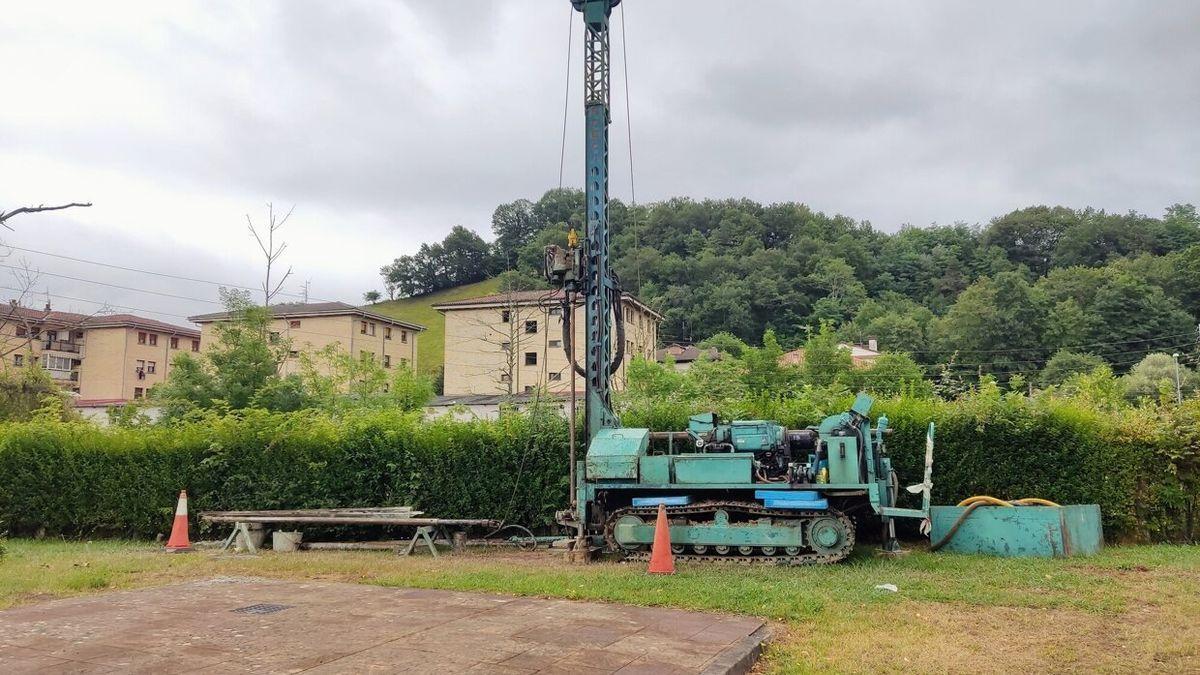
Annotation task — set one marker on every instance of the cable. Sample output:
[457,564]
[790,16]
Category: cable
[628,118]
[124,288]
[562,152]
[150,272]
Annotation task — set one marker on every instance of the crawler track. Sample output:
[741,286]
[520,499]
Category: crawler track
[805,556]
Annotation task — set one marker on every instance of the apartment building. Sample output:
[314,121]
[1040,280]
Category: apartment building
[511,343]
[311,327]
[106,359]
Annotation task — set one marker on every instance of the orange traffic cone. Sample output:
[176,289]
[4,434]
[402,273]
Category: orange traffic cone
[179,530]
[662,561]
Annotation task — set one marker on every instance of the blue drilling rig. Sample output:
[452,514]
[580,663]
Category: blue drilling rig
[751,491]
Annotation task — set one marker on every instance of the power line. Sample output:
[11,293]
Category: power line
[150,272]
[124,288]
[562,152]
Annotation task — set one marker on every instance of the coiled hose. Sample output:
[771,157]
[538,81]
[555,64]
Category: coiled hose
[975,502]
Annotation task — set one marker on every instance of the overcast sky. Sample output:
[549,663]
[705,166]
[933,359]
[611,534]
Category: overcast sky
[387,123]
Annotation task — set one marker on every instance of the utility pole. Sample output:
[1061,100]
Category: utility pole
[1178,388]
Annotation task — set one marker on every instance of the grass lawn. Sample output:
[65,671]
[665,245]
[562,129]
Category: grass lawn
[431,343]
[1129,608]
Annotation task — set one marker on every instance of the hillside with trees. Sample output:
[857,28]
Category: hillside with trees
[1039,286]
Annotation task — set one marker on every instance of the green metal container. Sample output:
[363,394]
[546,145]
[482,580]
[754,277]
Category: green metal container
[1021,531]
[700,468]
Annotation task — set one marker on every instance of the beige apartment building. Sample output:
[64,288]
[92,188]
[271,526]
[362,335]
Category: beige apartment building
[106,359]
[511,343]
[311,327]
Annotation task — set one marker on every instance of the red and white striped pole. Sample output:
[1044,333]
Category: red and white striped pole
[179,530]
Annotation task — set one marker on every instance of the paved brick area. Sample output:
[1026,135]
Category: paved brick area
[348,628]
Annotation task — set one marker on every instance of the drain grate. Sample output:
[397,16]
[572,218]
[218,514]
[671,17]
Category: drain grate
[262,608]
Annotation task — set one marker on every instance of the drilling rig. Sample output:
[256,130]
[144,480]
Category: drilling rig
[750,491]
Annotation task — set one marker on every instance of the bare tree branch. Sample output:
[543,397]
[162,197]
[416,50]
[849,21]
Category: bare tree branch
[5,215]
[270,251]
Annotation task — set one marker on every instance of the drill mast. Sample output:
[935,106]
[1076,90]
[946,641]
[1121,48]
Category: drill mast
[601,294]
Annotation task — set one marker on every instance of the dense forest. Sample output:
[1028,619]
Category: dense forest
[999,298]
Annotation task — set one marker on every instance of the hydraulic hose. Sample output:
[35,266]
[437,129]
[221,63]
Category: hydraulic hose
[975,502]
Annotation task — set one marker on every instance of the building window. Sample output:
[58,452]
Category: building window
[294,323]
[138,392]
[387,332]
[52,335]
[505,346]
[505,377]
[174,343]
[554,376]
[141,338]
[371,328]
[140,369]
[61,364]
[78,335]
[556,311]
[531,327]
[362,327]
[404,362]
[21,332]
[556,343]
[505,316]
[153,339]
[195,345]
[387,360]
[274,337]
[531,358]
[404,336]
[151,366]
[18,359]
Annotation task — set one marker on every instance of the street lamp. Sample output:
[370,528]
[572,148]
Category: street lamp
[1178,390]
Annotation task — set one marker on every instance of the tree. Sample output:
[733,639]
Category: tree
[891,374]
[372,297]
[995,326]
[271,252]
[1030,236]
[1154,378]
[243,359]
[764,372]
[5,215]
[824,359]
[1065,364]
[514,225]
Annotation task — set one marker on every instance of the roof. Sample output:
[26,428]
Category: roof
[858,354]
[525,298]
[288,310]
[74,320]
[131,321]
[686,353]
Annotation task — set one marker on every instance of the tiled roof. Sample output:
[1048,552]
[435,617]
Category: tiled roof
[118,320]
[287,310]
[548,297]
[687,353]
[74,320]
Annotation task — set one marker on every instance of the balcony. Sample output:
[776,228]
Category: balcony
[61,346]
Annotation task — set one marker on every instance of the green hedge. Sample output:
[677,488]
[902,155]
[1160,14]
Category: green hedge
[77,479]
[1139,464]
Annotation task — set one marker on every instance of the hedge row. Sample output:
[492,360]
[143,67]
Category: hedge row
[77,479]
[1139,464]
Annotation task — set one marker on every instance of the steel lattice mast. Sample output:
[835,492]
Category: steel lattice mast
[598,284]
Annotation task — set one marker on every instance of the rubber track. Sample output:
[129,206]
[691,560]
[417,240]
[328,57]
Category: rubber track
[749,508]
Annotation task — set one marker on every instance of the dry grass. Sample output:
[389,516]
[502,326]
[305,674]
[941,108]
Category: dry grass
[1130,608]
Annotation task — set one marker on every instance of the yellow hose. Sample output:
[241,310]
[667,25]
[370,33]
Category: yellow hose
[993,501]
[984,499]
